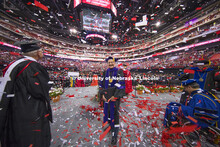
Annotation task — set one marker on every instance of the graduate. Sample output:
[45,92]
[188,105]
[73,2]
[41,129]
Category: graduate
[205,76]
[113,89]
[128,81]
[25,109]
[201,107]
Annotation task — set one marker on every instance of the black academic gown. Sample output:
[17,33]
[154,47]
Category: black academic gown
[25,116]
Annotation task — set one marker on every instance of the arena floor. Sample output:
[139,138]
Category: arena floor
[78,119]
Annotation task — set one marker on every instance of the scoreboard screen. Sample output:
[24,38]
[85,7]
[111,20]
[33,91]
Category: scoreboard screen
[96,21]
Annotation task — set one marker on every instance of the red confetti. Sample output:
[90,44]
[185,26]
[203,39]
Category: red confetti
[134,19]
[189,71]
[105,133]
[139,139]
[36,73]
[71,95]
[120,142]
[176,17]
[36,83]
[96,143]
[105,124]
[29,3]
[67,135]
[119,64]
[86,139]
[46,115]
[205,118]
[190,128]
[89,125]
[38,4]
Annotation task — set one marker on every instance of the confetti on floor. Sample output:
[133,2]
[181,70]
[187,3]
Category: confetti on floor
[78,120]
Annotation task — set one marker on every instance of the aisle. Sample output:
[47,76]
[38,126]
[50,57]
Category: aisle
[78,120]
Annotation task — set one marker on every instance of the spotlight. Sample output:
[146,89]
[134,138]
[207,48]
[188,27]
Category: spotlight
[158,24]
[137,28]
[114,36]
[73,31]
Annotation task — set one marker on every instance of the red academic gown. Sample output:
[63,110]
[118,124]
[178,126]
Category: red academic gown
[80,83]
[128,81]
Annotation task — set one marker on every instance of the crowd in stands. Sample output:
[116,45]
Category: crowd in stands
[189,30]
[58,67]
[174,60]
[179,37]
[177,60]
[184,37]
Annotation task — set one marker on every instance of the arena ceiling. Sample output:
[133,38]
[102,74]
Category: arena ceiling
[58,17]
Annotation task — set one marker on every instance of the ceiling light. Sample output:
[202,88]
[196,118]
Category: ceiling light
[137,28]
[158,24]
[114,36]
[83,41]
[73,31]
[181,5]
[166,13]
[183,8]
[154,31]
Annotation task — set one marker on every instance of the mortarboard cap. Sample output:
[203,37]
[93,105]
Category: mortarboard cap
[202,62]
[188,82]
[28,46]
[109,58]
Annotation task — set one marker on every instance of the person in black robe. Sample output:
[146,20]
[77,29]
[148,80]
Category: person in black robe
[25,110]
[113,89]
